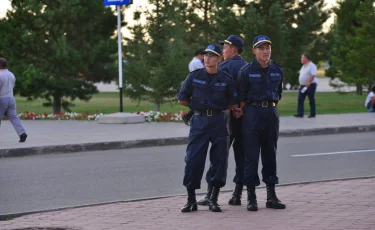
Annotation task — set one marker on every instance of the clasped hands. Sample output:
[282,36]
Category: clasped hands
[237,112]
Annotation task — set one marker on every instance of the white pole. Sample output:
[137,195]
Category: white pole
[119,54]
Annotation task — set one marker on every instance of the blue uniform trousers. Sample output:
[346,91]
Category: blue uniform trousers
[203,130]
[260,131]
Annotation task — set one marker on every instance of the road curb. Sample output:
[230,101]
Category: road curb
[112,145]
[4,217]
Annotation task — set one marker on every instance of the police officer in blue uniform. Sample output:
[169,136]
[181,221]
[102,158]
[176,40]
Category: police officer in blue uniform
[232,50]
[208,92]
[260,88]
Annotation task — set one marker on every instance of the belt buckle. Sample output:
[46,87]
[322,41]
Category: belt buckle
[264,103]
[209,112]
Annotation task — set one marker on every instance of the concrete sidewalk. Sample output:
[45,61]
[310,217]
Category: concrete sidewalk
[340,205]
[47,137]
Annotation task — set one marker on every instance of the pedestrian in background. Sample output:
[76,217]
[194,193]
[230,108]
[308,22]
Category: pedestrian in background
[7,101]
[370,100]
[308,83]
[208,92]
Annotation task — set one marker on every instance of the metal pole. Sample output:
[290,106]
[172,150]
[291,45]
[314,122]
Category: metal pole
[119,54]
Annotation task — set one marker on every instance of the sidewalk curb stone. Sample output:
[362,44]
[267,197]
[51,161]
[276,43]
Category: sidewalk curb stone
[112,145]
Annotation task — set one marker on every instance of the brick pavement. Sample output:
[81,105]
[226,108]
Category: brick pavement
[335,205]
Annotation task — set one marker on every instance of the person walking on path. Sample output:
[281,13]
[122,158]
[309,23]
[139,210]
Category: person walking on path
[308,83]
[370,100]
[260,88]
[232,49]
[7,101]
[208,92]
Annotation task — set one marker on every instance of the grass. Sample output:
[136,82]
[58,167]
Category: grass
[327,103]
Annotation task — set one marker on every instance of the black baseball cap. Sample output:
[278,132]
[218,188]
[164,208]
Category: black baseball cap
[233,40]
[199,51]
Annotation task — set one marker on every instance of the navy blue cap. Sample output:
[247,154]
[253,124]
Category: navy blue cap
[233,40]
[260,40]
[214,50]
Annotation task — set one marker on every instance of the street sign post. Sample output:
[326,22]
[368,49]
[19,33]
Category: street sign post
[119,3]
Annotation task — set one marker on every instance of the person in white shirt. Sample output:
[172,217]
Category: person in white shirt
[370,100]
[308,83]
[7,101]
[197,61]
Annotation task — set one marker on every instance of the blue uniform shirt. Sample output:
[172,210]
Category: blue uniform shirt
[208,91]
[260,84]
[232,66]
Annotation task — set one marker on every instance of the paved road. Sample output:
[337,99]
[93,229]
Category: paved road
[52,181]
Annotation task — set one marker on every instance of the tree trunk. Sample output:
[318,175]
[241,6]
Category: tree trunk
[157,107]
[56,104]
[359,89]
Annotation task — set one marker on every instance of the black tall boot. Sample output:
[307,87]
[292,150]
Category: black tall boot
[206,198]
[252,204]
[214,206]
[272,201]
[191,204]
[236,196]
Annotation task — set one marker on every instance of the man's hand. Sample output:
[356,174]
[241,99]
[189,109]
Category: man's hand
[308,84]
[237,112]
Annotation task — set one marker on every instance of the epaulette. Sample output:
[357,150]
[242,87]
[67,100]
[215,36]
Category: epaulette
[222,63]
[280,66]
[248,64]
[227,74]
[195,72]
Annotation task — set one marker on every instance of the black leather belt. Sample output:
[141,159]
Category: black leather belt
[208,112]
[264,103]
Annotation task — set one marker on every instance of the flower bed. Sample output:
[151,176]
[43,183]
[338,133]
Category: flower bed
[59,116]
[162,116]
[150,116]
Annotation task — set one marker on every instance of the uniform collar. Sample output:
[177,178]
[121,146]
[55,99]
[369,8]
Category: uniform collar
[258,66]
[237,57]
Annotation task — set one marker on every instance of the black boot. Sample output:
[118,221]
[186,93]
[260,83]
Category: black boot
[206,199]
[214,206]
[272,201]
[236,196]
[252,204]
[23,137]
[191,204]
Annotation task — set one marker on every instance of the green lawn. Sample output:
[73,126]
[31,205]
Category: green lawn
[109,103]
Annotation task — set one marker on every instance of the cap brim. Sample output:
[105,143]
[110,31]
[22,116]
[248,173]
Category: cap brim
[262,43]
[223,42]
[212,52]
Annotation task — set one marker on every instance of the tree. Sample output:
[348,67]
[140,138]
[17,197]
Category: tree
[58,49]
[362,58]
[294,26]
[157,55]
[352,32]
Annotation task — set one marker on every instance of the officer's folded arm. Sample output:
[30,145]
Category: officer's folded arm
[232,106]
[183,103]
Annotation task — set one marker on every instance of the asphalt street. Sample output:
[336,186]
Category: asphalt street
[63,180]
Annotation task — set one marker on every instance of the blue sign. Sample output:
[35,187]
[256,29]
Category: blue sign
[117,2]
